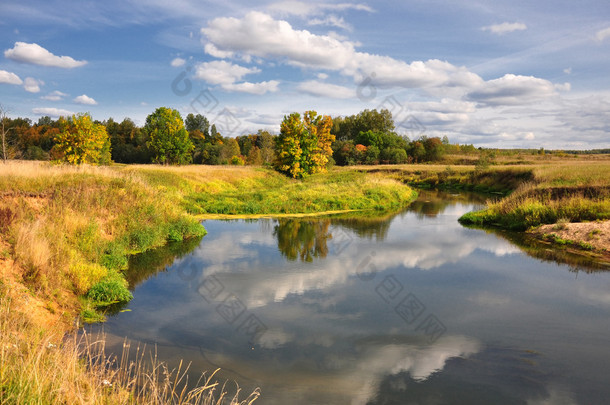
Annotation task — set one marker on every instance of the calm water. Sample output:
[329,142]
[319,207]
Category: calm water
[408,309]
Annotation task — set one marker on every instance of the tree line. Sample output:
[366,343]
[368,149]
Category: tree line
[306,144]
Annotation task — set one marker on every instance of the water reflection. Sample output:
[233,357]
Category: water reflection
[517,328]
[301,238]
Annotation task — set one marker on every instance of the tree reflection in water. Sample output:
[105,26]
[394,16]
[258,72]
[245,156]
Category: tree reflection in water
[303,239]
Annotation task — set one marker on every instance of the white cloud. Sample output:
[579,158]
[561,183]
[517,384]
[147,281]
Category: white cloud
[222,72]
[567,71]
[52,111]
[603,34]
[331,20]
[227,75]
[32,85]
[210,49]
[504,28]
[270,86]
[85,99]
[37,55]
[9,78]
[512,90]
[177,62]
[259,35]
[418,360]
[321,89]
[303,9]
[54,96]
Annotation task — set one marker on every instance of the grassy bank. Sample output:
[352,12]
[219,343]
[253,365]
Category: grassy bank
[498,179]
[66,234]
[571,192]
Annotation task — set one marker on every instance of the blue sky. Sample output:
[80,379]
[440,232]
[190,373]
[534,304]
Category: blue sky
[497,74]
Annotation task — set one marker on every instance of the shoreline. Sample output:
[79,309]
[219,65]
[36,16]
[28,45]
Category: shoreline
[588,238]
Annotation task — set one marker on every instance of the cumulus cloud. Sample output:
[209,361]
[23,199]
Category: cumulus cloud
[317,88]
[504,28]
[222,72]
[603,34]
[54,96]
[9,78]
[512,90]
[52,111]
[177,62]
[37,55]
[227,75]
[32,85]
[258,34]
[85,99]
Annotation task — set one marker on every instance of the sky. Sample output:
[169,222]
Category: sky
[516,74]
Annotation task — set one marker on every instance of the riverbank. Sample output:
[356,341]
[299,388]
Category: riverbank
[525,194]
[572,195]
[66,233]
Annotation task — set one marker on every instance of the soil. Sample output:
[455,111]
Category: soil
[596,234]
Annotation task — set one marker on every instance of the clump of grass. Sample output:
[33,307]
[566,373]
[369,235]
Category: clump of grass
[110,290]
[562,223]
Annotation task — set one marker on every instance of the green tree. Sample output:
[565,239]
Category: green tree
[266,143]
[304,146]
[82,141]
[348,128]
[197,122]
[168,139]
[230,149]
[434,148]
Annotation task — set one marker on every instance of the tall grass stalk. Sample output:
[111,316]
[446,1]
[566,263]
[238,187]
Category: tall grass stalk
[39,367]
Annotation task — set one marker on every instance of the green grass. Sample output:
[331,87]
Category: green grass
[557,194]
[276,194]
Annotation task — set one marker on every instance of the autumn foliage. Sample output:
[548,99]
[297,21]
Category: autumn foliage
[304,146]
[80,140]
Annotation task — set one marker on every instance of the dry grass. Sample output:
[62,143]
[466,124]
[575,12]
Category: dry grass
[38,367]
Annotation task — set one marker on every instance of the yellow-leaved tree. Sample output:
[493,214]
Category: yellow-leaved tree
[304,146]
[82,141]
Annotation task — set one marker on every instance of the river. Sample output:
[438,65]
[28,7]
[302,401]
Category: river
[411,308]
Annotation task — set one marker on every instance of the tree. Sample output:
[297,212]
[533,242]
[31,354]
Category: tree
[197,122]
[4,131]
[82,141]
[266,143]
[348,128]
[254,157]
[304,146]
[230,149]
[434,148]
[168,139]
